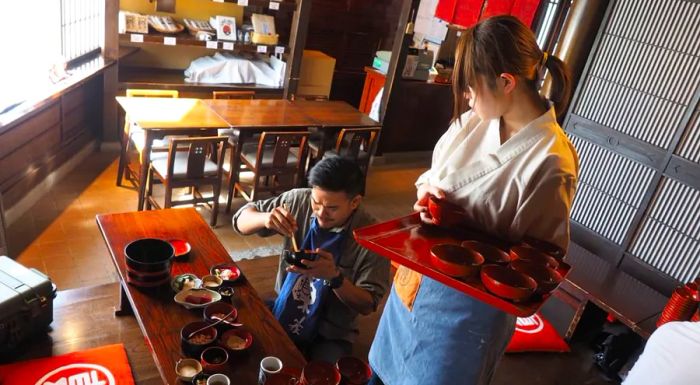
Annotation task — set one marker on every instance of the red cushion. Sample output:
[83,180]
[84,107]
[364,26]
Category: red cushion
[535,334]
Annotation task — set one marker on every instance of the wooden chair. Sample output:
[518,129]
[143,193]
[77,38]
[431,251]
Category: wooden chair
[131,131]
[356,144]
[189,168]
[272,159]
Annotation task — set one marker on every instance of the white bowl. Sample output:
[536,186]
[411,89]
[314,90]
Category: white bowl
[187,368]
[180,297]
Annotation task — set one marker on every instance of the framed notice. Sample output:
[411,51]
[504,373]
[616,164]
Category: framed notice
[225,28]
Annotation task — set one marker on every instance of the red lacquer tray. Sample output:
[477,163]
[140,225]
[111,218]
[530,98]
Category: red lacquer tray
[407,241]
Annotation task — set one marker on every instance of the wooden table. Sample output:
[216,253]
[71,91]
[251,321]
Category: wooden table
[161,318]
[251,117]
[332,116]
[167,116]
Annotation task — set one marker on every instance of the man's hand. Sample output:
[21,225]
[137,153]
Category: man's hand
[423,194]
[281,221]
[322,268]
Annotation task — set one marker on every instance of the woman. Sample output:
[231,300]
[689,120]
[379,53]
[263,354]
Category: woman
[511,167]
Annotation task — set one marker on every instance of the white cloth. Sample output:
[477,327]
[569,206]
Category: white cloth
[523,187]
[227,68]
[670,357]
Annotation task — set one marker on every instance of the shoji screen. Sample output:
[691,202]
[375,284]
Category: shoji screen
[634,122]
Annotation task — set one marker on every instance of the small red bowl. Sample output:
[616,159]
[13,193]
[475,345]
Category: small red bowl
[353,370]
[182,247]
[529,254]
[246,336]
[455,260]
[320,373]
[229,272]
[547,278]
[507,283]
[222,308]
[214,359]
[545,247]
[444,213]
[491,254]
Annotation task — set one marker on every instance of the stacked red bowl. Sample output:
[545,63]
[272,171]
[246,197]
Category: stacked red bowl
[148,262]
[681,306]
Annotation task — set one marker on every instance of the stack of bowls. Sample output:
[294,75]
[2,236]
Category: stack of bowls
[148,262]
[681,306]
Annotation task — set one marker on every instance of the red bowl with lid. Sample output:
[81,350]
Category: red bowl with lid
[455,260]
[547,278]
[507,283]
[527,253]
[320,373]
[491,254]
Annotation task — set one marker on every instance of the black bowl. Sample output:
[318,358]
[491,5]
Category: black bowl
[189,346]
[149,255]
[295,257]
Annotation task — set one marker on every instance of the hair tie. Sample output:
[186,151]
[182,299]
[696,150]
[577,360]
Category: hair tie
[545,57]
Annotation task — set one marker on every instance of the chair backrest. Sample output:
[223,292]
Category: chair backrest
[280,144]
[198,149]
[353,140]
[233,94]
[134,92]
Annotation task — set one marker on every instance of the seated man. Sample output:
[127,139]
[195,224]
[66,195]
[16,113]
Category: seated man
[318,305]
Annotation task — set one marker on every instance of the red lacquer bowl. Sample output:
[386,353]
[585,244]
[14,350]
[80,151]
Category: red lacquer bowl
[547,278]
[529,254]
[242,334]
[507,283]
[320,373]
[455,260]
[491,254]
[214,359]
[545,247]
[353,371]
[444,213]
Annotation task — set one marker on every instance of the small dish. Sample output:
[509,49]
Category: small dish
[187,368]
[193,346]
[196,298]
[229,272]
[182,248]
[236,340]
[214,359]
[527,253]
[201,379]
[184,281]
[226,293]
[455,260]
[218,310]
[507,283]
[211,282]
[491,254]
[547,278]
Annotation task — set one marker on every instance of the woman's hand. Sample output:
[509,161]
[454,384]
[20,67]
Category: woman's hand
[281,221]
[423,194]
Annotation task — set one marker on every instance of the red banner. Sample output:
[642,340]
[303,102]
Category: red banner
[497,7]
[459,12]
[525,10]
[107,365]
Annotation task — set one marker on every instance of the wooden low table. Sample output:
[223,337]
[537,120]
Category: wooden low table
[161,318]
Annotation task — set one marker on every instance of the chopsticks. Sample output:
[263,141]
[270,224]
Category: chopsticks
[295,247]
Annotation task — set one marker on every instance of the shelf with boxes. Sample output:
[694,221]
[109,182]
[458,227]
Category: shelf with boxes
[249,30]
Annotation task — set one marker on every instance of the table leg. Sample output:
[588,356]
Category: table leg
[145,163]
[124,307]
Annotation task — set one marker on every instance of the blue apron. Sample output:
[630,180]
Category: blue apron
[298,306]
[449,338]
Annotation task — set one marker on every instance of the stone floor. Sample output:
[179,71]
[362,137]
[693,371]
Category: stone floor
[58,236]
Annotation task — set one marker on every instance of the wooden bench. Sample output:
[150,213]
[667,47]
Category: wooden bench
[593,280]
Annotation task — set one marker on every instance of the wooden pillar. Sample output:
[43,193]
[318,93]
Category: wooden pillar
[297,42]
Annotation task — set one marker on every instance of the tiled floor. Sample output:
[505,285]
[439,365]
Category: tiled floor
[59,235]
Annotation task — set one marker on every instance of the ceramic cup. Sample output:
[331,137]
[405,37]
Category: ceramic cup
[268,365]
[218,379]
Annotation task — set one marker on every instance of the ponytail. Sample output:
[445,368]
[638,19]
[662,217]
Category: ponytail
[560,90]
